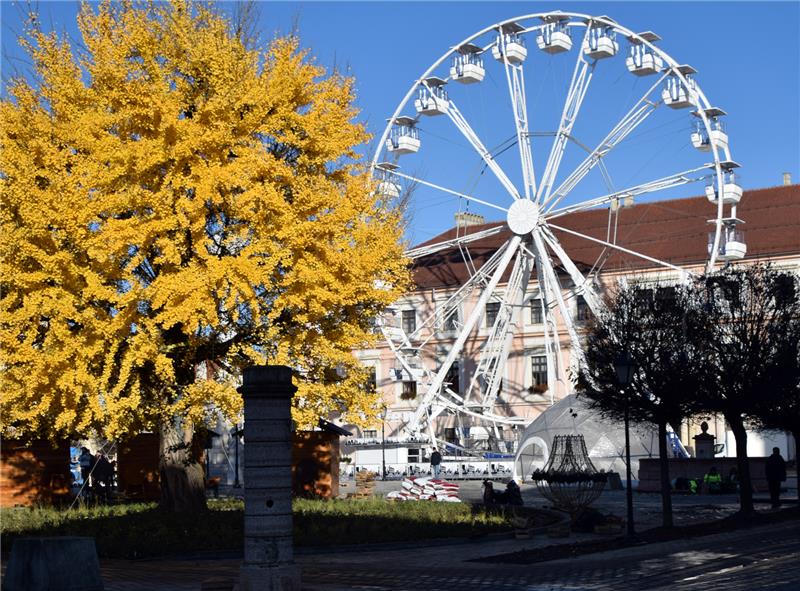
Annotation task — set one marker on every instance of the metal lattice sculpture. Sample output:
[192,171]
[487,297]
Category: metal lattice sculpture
[569,480]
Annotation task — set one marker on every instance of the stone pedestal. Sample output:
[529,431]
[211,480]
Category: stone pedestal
[704,443]
[53,564]
[268,544]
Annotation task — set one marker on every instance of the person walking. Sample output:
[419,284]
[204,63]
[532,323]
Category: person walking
[436,463]
[776,473]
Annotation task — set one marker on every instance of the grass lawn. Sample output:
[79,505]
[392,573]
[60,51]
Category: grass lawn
[140,529]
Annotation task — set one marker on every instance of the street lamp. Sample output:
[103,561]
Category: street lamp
[624,366]
[384,412]
[237,435]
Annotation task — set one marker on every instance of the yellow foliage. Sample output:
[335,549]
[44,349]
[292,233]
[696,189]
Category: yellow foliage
[171,196]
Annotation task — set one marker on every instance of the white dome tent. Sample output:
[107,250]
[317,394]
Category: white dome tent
[605,438]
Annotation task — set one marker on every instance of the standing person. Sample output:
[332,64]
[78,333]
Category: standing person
[776,473]
[86,461]
[436,463]
[103,477]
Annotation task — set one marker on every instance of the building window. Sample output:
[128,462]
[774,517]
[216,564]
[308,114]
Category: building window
[536,311]
[372,380]
[665,294]
[414,456]
[485,388]
[539,373]
[451,378]
[409,391]
[643,297]
[492,310]
[370,433]
[447,323]
[584,312]
[409,321]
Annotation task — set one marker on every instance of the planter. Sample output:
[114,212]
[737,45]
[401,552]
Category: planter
[53,564]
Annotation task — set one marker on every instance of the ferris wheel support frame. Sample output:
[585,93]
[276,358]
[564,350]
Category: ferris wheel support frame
[535,245]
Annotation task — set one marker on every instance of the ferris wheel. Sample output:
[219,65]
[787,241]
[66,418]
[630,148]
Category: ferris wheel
[590,129]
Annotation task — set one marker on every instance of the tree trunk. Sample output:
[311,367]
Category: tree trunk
[666,485]
[182,478]
[742,465]
[796,435]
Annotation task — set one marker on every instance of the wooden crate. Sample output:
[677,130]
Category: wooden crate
[365,485]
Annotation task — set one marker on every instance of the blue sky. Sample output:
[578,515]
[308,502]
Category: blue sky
[747,55]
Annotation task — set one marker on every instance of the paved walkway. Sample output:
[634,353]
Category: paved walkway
[759,558]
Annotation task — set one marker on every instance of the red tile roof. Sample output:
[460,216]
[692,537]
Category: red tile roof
[675,231]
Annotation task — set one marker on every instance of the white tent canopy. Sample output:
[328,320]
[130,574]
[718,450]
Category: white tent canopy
[605,438]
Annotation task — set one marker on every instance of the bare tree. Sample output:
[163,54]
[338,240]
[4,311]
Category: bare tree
[743,328]
[650,325]
[779,405]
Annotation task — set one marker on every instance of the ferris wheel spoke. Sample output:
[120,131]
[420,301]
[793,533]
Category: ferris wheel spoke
[582,285]
[581,76]
[630,121]
[448,191]
[515,76]
[554,286]
[429,249]
[640,255]
[451,305]
[494,354]
[552,346]
[674,180]
[464,127]
[490,417]
[511,249]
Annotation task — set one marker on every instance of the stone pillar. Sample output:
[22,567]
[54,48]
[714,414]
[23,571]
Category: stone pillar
[268,551]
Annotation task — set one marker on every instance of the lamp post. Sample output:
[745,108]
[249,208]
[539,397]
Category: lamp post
[209,445]
[384,411]
[624,367]
[237,434]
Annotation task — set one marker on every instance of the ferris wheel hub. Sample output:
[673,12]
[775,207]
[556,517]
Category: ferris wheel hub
[523,215]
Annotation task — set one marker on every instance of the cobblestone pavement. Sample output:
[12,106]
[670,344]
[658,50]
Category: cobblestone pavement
[763,558]
[759,558]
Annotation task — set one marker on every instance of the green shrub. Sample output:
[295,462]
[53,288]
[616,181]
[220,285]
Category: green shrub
[141,529]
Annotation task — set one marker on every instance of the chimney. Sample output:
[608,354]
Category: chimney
[465,219]
[787,178]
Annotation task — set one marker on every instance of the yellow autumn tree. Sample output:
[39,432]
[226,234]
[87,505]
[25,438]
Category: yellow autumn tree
[173,197]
